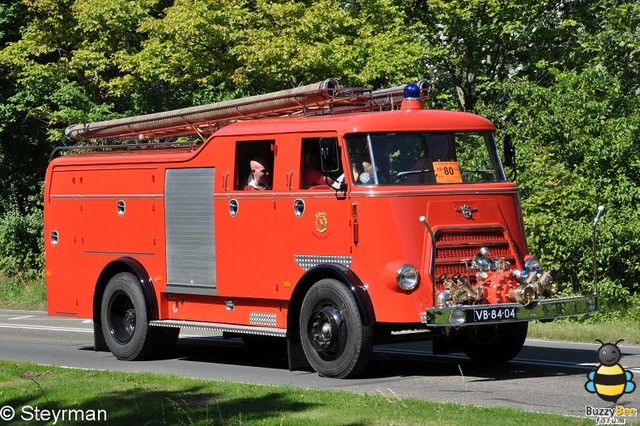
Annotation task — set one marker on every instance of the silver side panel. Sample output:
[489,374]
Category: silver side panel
[190,235]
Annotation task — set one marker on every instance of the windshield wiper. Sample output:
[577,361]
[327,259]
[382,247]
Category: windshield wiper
[413,172]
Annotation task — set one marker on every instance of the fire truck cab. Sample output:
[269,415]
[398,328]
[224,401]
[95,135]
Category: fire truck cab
[332,218]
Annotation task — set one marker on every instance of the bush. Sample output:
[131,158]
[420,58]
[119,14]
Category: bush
[21,244]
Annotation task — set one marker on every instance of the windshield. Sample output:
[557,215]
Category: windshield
[423,158]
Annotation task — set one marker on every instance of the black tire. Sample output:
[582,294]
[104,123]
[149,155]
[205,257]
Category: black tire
[495,344]
[334,339]
[125,324]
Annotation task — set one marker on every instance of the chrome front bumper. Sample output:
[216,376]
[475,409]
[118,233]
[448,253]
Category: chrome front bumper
[543,309]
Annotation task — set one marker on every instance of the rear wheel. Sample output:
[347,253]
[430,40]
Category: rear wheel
[495,344]
[124,319]
[334,339]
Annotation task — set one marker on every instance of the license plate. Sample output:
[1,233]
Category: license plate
[494,314]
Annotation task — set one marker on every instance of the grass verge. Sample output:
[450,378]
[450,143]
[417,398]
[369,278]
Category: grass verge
[22,292]
[151,399]
[606,330]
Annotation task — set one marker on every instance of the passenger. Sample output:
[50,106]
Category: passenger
[259,177]
[362,172]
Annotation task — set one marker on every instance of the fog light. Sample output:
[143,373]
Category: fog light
[408,277]
[458,317]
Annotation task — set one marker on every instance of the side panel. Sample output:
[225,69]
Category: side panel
[117,208]
[190,237]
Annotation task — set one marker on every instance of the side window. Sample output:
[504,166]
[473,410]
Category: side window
[360,159]
[312,173]
[254,165]
[311,169]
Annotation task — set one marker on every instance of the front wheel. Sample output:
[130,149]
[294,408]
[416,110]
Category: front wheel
[334,338]
[495,344]
[124,319]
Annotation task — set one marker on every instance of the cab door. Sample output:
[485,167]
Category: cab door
[245,221]
[314,216]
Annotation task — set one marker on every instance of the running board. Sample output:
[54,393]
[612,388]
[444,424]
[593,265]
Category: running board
[216,326]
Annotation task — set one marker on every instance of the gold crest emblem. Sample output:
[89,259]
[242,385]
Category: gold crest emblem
[321,222]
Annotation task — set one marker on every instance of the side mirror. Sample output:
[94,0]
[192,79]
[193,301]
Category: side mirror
[329,155]
[510,155]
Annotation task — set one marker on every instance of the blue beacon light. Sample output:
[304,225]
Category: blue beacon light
[411,92]
[411,97]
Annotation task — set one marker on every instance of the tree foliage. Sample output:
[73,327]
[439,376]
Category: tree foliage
[361,43]
[560,76]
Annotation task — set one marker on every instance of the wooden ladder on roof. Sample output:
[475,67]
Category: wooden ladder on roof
[325,97]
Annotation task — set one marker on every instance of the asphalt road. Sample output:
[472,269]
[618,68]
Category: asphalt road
[544,377]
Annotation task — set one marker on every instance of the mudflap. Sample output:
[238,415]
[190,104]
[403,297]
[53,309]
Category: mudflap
[296,357]
[99,344]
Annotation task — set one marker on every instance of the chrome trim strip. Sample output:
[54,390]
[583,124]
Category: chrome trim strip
[426,190]
[116,253]
[106,196]
[543,309]
[234,328]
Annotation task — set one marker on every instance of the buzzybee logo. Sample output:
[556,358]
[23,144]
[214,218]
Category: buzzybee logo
[610,381]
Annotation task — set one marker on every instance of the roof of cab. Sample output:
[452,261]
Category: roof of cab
[384,121]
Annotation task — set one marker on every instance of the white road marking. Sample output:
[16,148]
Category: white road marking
[73,329]
[21,318]
[46,328]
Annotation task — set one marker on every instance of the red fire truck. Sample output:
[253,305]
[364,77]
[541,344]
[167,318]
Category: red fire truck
[373,219]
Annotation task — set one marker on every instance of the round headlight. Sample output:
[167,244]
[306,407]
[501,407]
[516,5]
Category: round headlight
[408,277]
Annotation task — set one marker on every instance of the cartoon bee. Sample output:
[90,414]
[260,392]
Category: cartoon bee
[610,381]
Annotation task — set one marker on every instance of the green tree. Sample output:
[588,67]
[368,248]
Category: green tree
[186,57]
[55,61]
[578,142]
[364,43]
[20,158]
[481,42]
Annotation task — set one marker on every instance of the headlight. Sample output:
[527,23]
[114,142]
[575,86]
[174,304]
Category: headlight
[408,277]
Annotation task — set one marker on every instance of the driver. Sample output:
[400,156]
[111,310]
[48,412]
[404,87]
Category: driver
[313,176]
